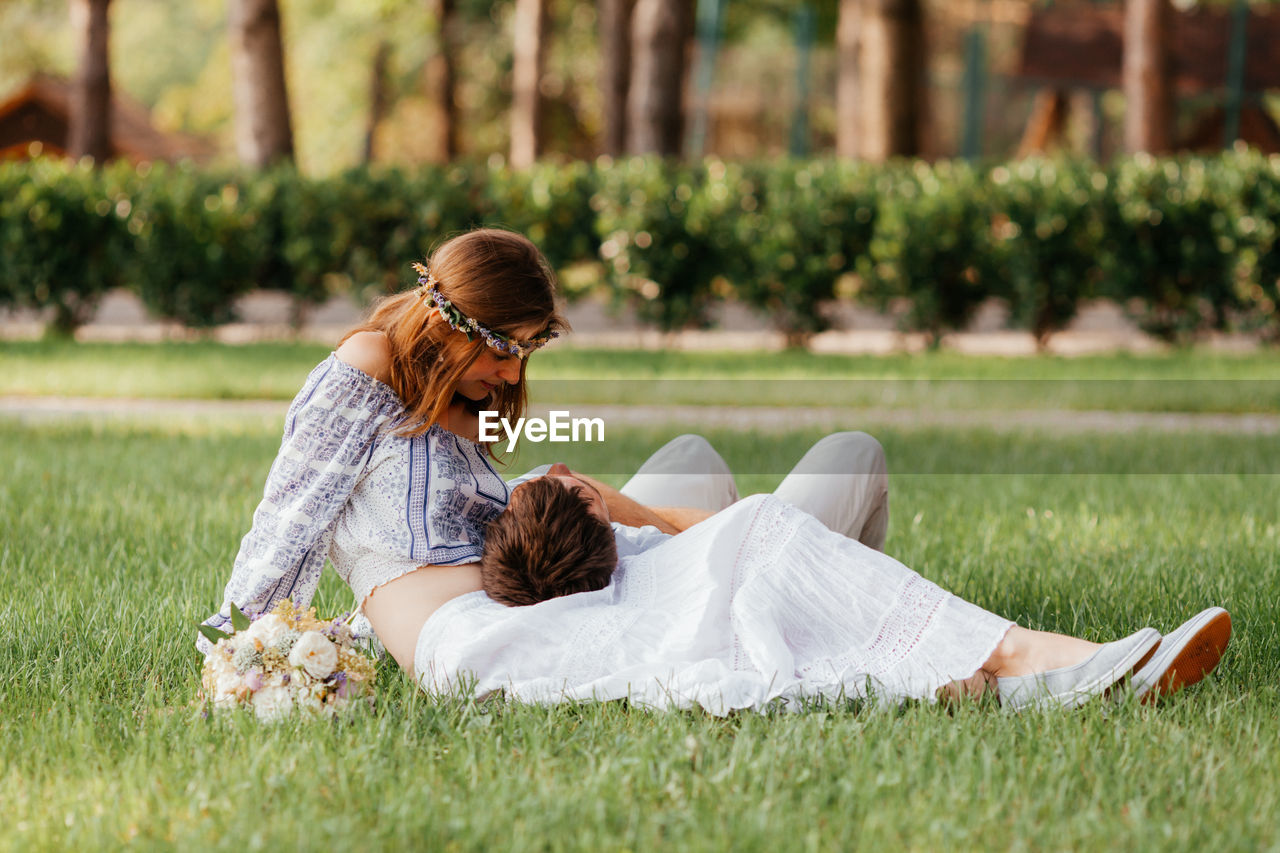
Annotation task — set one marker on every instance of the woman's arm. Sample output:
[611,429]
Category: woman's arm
[397,610]
[328,433]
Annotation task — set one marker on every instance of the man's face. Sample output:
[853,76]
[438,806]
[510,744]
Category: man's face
[595,500]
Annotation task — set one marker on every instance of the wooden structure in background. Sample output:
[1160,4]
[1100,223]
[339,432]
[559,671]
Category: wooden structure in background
[40,112]
[1082,47]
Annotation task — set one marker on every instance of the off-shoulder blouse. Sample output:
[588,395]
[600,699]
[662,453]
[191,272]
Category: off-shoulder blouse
[346,486]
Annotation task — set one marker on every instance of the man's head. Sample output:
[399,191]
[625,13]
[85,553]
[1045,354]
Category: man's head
[552,540]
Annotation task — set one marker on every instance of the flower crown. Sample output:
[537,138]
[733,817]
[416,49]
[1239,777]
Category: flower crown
[429,293]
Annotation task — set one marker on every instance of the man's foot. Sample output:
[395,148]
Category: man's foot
[1073,686]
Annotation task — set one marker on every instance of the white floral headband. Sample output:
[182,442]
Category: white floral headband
[429,293]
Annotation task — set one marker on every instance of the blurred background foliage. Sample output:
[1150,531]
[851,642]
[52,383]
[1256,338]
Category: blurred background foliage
[174,59]
[1187,244]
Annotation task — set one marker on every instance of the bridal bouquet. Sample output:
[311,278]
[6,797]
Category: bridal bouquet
[283,660]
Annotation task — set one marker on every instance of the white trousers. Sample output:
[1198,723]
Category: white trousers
[842,481]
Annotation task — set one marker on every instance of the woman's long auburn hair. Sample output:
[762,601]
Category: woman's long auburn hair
[497,277]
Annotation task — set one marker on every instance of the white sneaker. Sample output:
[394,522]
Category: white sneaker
[1186,655]
[1072,686]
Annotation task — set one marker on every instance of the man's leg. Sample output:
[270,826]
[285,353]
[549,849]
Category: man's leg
[686,471]
[843,481]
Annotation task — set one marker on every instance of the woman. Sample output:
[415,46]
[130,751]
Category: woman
[378,469]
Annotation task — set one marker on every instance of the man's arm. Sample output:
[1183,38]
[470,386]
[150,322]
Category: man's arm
[681,517]
[624,510]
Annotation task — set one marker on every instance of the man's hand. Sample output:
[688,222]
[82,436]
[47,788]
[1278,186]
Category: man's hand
[624,510]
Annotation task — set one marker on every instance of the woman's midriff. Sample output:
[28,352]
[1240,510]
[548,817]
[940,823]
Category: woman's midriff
[398,609]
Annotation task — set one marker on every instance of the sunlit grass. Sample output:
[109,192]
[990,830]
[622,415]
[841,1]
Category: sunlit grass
[1179,381]
[115,539]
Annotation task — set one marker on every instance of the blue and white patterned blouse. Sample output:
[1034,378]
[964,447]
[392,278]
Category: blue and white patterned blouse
[345,486]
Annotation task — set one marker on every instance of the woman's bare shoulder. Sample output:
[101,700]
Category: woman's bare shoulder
[369,352]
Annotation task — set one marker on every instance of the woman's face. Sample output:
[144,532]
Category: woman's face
[488,373]
[492,370]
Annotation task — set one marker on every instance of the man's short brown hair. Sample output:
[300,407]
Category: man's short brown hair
[546,544]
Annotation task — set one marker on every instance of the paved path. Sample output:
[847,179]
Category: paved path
[768,419]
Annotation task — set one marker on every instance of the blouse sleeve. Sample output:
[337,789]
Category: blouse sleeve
[329,434]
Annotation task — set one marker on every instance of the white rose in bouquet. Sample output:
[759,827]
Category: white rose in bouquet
[267,629]
[314,653]
[271,703]
[222,681]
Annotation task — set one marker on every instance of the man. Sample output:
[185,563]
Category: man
[842,481]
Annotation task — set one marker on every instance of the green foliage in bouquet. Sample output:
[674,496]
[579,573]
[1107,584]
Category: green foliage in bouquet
[1047,232]
[804,224]
[284,661]
[932,245]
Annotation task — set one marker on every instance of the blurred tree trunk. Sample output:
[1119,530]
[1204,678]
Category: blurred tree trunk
[848,36]
[1148,118]
[660,31]
[377,98]
[615,66]
[891,65]
[264,133]
[89,134]
[440,78]
[529,52]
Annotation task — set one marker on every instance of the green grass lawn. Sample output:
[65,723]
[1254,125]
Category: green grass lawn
[1196,381]
[115,539]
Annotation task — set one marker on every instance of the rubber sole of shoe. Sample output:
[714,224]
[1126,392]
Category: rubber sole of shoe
[1196,660]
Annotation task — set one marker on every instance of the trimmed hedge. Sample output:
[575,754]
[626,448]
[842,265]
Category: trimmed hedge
[63,240]
[1048,234]
[1186,244]
[803,227]
[932,246]
[665,236]
[1172,224]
